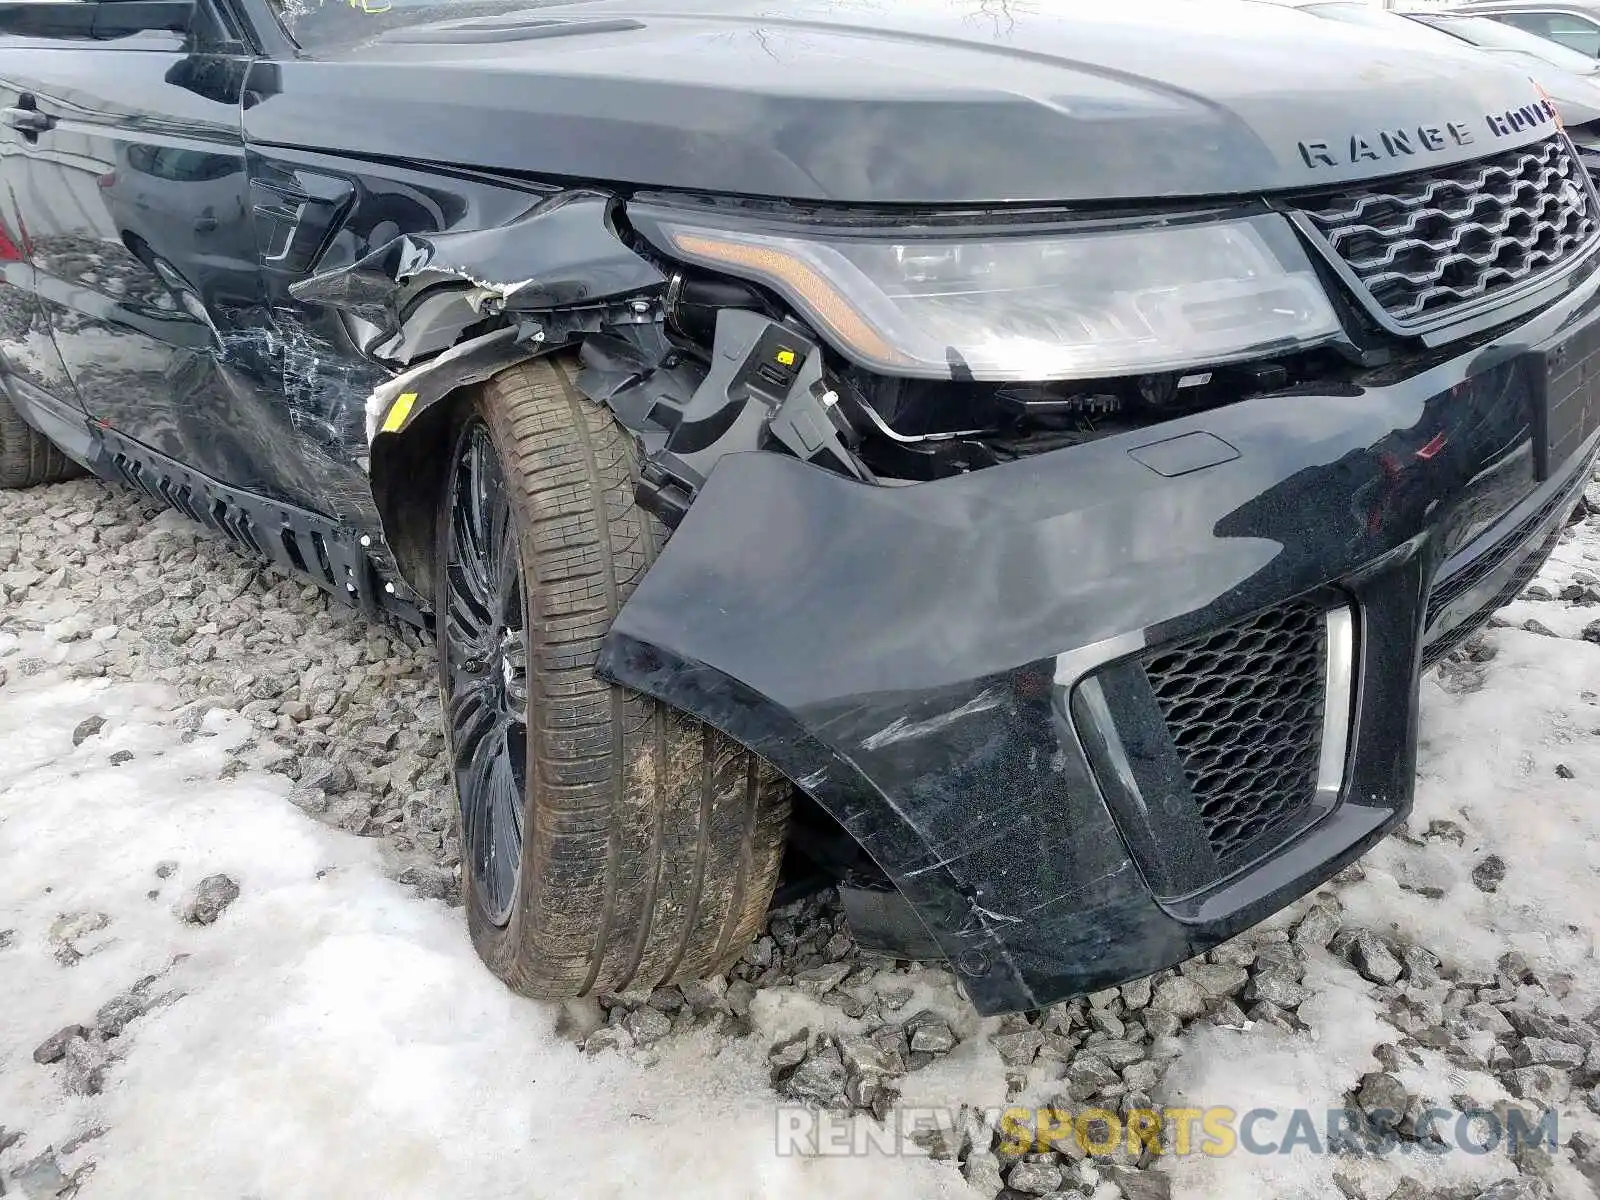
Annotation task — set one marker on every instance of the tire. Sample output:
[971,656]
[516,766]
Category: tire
[644,844]
[27,457]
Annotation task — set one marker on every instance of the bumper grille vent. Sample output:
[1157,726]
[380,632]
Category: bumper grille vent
[1244,708]
[1437,650]
[1448,589]
[1424,245]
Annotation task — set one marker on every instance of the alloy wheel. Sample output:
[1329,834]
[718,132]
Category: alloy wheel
[486,671]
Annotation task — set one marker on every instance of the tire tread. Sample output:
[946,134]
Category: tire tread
[27,457]
[652,841]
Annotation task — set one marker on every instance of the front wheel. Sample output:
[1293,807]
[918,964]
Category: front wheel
[27,457]
[607,842]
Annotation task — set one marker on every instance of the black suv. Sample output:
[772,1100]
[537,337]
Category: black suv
[1021,463]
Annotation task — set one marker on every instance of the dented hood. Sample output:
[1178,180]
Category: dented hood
[868,101]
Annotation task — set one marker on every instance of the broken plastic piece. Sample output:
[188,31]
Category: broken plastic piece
[562,252]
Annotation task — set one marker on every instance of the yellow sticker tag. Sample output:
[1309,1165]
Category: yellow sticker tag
[786,358]
[398,412]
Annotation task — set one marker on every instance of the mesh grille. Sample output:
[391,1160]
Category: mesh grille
[1243,706]
[1428,243]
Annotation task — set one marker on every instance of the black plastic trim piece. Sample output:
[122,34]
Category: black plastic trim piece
[299,543]
[500,29]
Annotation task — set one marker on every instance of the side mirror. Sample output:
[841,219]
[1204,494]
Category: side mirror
[211,77]
[97,19]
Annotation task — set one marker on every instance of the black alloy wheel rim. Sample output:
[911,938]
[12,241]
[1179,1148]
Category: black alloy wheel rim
[486,672]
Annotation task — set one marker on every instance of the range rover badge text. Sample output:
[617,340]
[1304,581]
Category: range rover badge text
[1413,139]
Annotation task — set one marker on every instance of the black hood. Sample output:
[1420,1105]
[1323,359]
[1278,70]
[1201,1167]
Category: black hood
[871,101]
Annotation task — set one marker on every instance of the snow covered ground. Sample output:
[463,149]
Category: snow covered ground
[168,716]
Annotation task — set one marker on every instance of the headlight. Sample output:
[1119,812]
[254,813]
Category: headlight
[1117,300]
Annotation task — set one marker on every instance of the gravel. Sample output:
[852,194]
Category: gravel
[347,711]
[1217,979]
[1381,1092]
[1180,996]
[819,1079]
[930,1033]
[53,1047]
[1488,874]
[83,1066]
[210,900]
[1140,1184]
[790,1052]
[1546,1052]
[1276,988]
[87,728]
[646,1025]
[1019,1049]
[1034,1178]
[1373,959]
[345,707]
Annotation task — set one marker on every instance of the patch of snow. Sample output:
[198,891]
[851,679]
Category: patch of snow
[1267,1068]
[336,1036]
[1487,761]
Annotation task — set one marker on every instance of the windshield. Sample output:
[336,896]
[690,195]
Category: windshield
[327,24]
[1481,31]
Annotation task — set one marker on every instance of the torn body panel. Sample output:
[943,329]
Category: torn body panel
[476,302]
[430,283]
[308,361]
[419,293]
[975,676]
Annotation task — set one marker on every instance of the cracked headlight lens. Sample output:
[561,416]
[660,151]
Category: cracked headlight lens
[1030,305]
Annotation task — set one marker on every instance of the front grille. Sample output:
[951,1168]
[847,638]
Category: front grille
[1424,245]
[1244,707]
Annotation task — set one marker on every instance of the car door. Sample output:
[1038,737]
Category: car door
[35,377]
[130,181]
[1568,29]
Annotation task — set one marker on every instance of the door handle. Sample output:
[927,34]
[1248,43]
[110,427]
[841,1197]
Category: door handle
[29,120]
[205,225]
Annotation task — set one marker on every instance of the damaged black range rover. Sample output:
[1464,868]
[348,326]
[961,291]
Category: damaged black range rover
[1076,431]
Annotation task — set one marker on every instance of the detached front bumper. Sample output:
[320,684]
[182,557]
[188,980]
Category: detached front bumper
[1095,711]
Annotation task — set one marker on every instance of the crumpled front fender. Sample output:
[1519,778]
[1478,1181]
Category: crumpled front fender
[563,252]
[557,272]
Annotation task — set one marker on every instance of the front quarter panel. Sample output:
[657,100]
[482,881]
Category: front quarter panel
[385,279]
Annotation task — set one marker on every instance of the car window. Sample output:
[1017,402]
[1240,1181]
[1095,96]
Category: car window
[142,159]
[1480,31]
[192,166]
[1576,33]
[212,26]
[180,166]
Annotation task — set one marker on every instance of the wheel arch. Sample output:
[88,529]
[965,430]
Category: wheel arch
[408,474]
[538,282]
[409,421]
